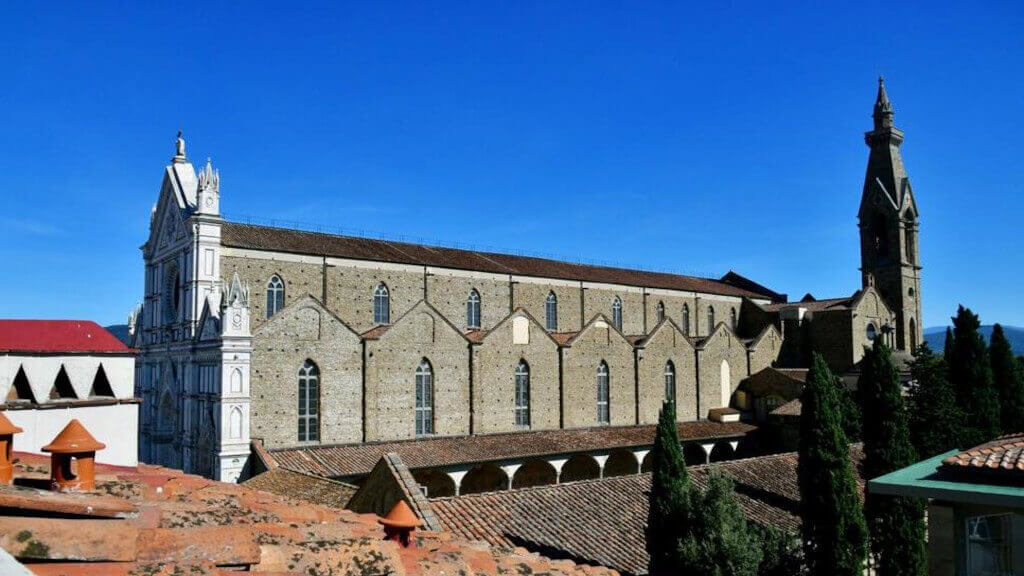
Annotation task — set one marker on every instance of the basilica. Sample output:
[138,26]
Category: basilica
[287,339]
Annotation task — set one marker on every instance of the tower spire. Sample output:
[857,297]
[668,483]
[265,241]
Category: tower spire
[883,113]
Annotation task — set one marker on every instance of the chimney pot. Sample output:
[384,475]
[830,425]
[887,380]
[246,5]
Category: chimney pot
[74,441]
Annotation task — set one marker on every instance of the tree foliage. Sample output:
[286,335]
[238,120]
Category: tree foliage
[971,374]
[1008,381]
[833,527]
[896,524]
[720,542]
[670,517]
[936,420]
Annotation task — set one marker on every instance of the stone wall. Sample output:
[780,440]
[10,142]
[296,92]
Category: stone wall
[599,301]
[494,365]
[450,292]
[721,346]
[765,350]
[391,363]
[597,342]
[350,292]
[532,296]
[667,344]
[281,346]
[300,279]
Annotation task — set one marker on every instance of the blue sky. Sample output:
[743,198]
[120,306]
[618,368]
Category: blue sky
[651,135]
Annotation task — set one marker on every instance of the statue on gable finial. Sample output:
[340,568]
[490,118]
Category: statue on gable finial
[179,148]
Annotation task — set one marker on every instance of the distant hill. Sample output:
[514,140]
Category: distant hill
[121,331]
[936,337]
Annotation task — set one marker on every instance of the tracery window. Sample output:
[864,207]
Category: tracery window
[617,312]
[603,394]
[473,309]
[732,318]
[309,402]
[275,295]
[870,331]
[381,304]
[686,319]
[522,395]
[551,311]
[670,382]
[424,398]
[661,311]
[711,319]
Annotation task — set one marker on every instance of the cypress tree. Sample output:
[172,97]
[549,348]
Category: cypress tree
[971,374]
[896,524]
[833,528]
[947,347]
[669,518]
[719,543]
[936,420]
[1008,381]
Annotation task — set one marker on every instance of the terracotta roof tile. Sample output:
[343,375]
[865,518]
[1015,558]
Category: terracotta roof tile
[302,242]
[1002,457]
[302,486]
[358,459]
[563,338]
[169,522]
[602,521]
[791,408]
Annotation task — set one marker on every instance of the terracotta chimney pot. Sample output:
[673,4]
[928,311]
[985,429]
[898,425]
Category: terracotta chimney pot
[74,441]
[400,523]
[7,432]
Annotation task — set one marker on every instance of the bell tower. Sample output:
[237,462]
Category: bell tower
[888,221]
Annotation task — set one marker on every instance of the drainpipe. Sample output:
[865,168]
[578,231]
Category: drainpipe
[696,368]
[583,319]
[323,288]
[561,388]
[363,374]
[644,300]
[472,403]
[636,383]
[511,294]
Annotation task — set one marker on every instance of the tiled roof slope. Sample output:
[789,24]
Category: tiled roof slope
[302,486]
[602,521]
[301,242]
[815,305]
[357,459]
[71,336]
[153,520]
[1002,457]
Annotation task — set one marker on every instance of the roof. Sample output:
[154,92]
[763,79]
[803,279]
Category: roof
[1000,458]
[359,459]
[154,520]
[792,408]
[254,237]
[562,520]
[814,305]
[57,336]
[932,478]
[302,486]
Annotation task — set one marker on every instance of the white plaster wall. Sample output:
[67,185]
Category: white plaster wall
[115,425]
[41,372]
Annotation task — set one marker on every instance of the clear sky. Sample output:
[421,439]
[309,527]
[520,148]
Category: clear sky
[661,136]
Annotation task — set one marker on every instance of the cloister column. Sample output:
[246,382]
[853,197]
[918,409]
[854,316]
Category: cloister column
[510,471]
[707,452]
[457,476]
[734,444]
[640,455]
[600,464]
[557,464]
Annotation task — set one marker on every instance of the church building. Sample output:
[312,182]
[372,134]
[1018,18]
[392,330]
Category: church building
[304,339]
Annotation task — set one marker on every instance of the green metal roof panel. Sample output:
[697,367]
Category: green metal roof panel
[922,480]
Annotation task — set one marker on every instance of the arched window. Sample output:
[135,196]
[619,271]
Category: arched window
[551,311]
[309,402]
[603,393]
[661,311]
[522,409]
[275,295]
[686,319]
[871,332]
[381,304]
[732,318]
[670,382]
[617,312]
[711,319]
[913,336]
[424,398]
[473,309]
